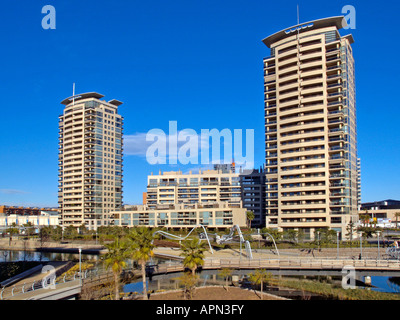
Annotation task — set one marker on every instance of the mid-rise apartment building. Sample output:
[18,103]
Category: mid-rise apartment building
[310,128]
[90,160]
[218,215]
[239,189]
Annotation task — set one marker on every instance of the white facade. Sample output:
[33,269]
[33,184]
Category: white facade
[44,219]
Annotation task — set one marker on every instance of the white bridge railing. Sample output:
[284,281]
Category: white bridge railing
[302,263]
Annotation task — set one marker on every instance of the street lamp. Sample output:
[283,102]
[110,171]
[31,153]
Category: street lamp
[337,240]
[80,264]
[361,245]
[379,255]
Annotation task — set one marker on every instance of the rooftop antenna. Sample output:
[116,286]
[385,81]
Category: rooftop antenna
[298,15]
[73,94]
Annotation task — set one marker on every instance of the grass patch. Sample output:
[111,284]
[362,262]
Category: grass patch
[336,292]
[11,269]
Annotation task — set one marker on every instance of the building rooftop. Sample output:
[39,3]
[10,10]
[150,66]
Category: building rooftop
[384,204]
[81,96]
[338,22]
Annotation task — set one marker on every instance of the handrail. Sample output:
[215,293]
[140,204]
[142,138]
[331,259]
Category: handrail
[36,285]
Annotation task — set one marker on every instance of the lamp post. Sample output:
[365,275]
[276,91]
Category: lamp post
[379,255]
[337,240]
[80,264]
[361,245]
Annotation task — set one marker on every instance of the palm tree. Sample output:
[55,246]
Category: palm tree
[260,277]
[116,259]
[226,273]
[249,217]
[397,215]
[193,254]
[142,247]
[365,218]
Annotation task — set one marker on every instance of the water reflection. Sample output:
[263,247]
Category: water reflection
[171,282]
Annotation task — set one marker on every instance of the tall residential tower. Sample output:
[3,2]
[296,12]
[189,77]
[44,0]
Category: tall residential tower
[90,160]
[310,128]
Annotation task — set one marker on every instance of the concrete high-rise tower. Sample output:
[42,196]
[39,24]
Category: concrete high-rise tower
[90,160]
[310,128]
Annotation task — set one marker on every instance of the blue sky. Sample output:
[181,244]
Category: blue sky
[195,62]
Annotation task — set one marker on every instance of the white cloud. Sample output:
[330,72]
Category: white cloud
[13,191]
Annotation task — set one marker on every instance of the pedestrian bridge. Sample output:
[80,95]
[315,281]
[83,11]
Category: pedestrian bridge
[292,266]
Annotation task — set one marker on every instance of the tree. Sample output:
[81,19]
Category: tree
[13,229]
[327,235]
[259,277]
[188,280]
[116,259]
[141,240]
[226,273]
[249,217]
[369,232]
[397,215]
[28,228]
[277,235]
[350,228]
[291,235]
[301,235]
[193,254]
[71,232]
[364,218]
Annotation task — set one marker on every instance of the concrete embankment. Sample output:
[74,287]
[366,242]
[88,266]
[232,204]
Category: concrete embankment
[60,247]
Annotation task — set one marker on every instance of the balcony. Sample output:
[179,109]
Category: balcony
[338,203]
[336,130]
[334,113]
[271,155]
[337,176]
[336,157]
[270,98]
[335,148]
[337,185]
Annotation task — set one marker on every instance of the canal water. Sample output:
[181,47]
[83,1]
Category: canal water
[212,277]
[386,284]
